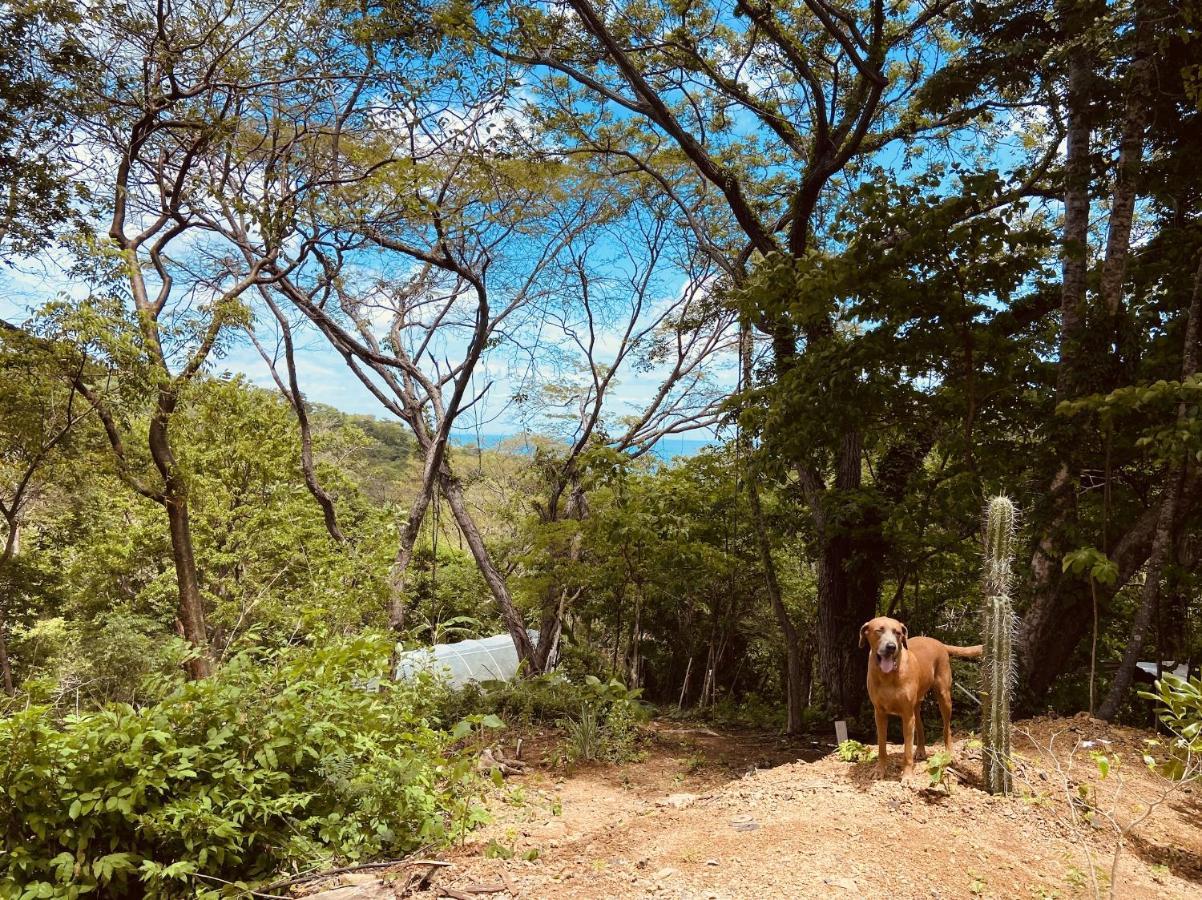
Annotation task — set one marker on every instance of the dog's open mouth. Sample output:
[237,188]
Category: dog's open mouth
[886,663]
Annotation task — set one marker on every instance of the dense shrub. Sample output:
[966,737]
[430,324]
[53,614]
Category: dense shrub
[283,758]
[600,718]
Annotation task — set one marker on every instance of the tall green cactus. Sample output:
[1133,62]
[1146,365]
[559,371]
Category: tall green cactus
[997,662]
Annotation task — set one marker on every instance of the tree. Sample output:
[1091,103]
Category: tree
[668,93]
[161,120]
[37,417]
[40,57]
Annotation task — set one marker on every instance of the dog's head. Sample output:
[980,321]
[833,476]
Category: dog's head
[887,638]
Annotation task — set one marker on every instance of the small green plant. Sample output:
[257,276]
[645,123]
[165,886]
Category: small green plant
[584,736]
[997,662]
[939,770]
[854,752]
[495,850]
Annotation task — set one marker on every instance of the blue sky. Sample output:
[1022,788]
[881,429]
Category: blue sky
[324,376]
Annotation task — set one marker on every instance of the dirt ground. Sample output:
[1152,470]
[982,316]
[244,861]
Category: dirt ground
[711,814]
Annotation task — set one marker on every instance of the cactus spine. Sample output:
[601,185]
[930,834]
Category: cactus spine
[997,662]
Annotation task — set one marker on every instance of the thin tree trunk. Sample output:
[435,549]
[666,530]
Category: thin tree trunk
[794,703]
[191,606]
[1075,247]
[1162,542]
[398,574]
[793,698]
[175,500]
[1122,207]
[10,550]
[553,612]
[453,491]
[292,393]
[5,666]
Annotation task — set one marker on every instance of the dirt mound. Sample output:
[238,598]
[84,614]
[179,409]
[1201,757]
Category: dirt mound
[700,817]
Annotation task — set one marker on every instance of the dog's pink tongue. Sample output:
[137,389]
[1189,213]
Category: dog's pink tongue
[887,663]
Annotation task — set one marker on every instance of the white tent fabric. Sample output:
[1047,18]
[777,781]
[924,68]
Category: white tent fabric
[466,662]
[1181,670]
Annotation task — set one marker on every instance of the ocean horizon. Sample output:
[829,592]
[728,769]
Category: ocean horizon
[666,448]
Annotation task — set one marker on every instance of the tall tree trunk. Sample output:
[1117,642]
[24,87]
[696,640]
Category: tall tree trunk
[453,491]
[1131,147]
[794,701]
[1162,543]
[10,549]
[851,557]
[1055,621]
[191,606]
[5,666]
[398,574]
[554,607]
[175,500]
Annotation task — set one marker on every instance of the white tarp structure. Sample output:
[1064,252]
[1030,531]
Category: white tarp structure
[1181,670]
[466,662]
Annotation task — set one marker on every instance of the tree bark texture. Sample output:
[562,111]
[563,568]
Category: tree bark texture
[175,501]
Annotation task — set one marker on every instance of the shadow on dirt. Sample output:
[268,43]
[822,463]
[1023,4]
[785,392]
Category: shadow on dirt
[1182,862]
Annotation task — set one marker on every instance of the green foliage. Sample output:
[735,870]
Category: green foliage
[85,664]
[997,662]
[854,752]
[281,758]
[1093,563]
[1180,710]
[938,766]
[600,718]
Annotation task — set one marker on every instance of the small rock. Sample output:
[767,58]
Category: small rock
[664,874]
[374,891]
[677,801]
[848,884]
[711,862]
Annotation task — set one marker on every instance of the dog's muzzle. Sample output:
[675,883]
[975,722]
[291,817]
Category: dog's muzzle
[886,658]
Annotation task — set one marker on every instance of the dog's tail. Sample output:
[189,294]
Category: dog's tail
[965,652]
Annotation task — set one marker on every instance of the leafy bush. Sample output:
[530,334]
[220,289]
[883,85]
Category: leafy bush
[111,660]
[1180,711]
[281,759]
[600,718]
[855,752]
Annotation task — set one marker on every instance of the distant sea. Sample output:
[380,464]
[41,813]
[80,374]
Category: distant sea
[666,449]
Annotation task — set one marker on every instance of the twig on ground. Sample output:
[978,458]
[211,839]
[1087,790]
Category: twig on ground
[381,864]
[247,890]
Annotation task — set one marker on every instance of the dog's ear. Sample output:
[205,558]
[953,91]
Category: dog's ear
[905,641]
[863,634]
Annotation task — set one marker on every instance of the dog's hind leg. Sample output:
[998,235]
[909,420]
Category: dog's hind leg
[919,737]
[944,694]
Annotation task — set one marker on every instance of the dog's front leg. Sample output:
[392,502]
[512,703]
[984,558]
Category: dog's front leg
[908,737]
[882,732]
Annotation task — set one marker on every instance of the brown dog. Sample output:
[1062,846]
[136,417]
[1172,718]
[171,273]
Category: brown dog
[900,672]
